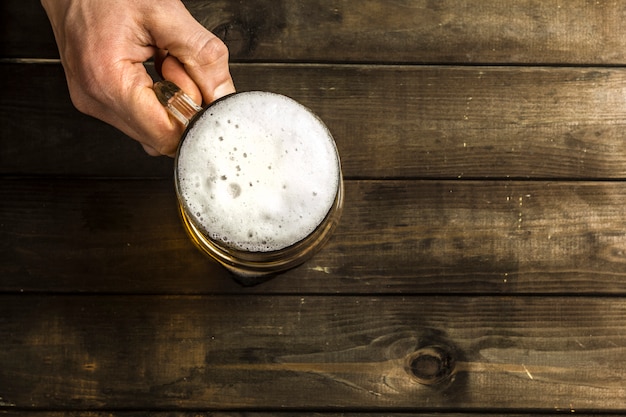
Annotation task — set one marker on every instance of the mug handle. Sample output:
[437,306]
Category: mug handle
[177,103]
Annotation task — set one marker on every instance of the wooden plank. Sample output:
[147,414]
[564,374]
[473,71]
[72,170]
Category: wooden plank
[276,413]
[398,237]
[25,30]
[42,133]
[388,121]
[471,31]
[152,413]
[264,353]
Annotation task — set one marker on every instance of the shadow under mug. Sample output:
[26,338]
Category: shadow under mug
[269,128]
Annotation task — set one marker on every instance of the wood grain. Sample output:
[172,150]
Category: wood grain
[420,31]
[149,352]
[394,237]
[479,267]
[388,121]
[25,30]
[43,134]
[253,414]
[274,413]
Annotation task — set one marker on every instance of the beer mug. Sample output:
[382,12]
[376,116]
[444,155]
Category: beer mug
[258,179]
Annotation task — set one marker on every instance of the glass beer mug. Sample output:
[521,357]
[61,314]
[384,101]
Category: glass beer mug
[258,179]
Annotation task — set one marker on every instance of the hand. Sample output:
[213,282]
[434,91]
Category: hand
[103,45]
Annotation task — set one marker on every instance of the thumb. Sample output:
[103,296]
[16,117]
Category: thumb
[203,55]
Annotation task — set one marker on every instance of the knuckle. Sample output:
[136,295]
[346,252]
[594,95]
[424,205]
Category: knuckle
[85,87]
[81,99]
[209,50]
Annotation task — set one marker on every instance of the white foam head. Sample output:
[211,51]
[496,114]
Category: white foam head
[258,171]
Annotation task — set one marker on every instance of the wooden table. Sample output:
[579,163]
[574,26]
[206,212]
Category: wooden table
[480,264]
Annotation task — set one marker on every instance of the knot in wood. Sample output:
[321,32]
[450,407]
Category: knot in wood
[431,365]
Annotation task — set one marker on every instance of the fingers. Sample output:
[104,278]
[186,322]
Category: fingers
[198,66]
[173,70]
[203,56]
[133,108]
[103,46]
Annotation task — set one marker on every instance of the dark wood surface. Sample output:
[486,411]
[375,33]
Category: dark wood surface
[400,237]
[410,31]
[479,267]
[267,352]
[389,121]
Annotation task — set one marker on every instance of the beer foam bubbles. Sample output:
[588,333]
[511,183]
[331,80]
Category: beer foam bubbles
[257,171]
